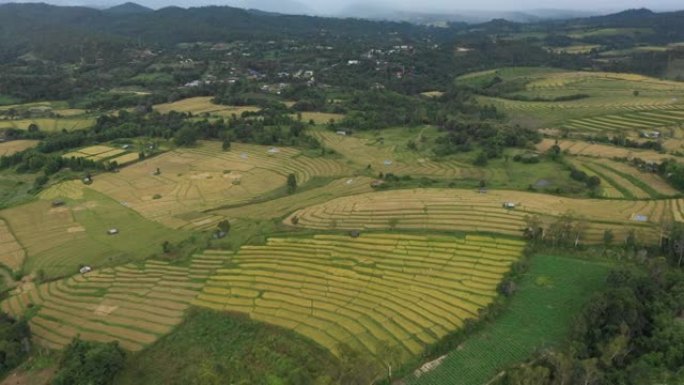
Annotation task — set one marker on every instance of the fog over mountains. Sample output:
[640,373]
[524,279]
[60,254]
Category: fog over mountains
[428,11]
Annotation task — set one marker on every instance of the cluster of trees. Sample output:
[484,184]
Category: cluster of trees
[89,363]
[631,334]
[15,342]
[593,182]
[493,137]
[566,231]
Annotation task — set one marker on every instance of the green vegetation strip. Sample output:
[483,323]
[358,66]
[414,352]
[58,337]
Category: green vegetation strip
[636,181]
[624,191]
[539,314]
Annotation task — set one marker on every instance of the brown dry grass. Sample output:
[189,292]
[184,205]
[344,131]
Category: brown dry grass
[14,146]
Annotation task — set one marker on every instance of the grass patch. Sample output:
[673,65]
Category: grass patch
[219,348]
[539,315]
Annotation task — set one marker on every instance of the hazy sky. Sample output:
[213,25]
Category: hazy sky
[451,6]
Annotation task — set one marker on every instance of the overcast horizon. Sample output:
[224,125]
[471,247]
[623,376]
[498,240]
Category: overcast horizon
[426,6]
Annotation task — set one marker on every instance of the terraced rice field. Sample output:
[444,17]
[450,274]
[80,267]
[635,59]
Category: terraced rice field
[465,210]
[203,105]
[623,181]
[576,147]
[408,291]
[641,120]
[384,159]
[131,304]
[97,153]
[538,317]
[14,146]
[205,177]
[12,254]
[280,207]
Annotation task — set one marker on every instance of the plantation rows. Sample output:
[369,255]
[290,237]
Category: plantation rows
[464,210]
[408,291]
[627,121]
[130,304]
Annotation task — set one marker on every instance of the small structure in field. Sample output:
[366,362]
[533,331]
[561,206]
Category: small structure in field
[273,150]
[354,233]
[639,218]
[58,203]
[85,269]
[87,180]
[508,205]
[157,171]
[650,134]
[377,183]
[342,133]
[113,231]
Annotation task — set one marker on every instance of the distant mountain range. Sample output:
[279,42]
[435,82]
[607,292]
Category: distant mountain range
[364,10]
[385,12]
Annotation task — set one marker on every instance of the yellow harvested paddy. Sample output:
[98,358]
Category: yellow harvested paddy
[465,210]
[203,105]
[14,146]
[131,304]
[197,179]
[406,290]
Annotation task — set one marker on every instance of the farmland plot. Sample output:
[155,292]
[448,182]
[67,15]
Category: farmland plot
[406,290]
[465,210]
[131,304]
[191,181]
[60,239]
[12,254]
[14,146]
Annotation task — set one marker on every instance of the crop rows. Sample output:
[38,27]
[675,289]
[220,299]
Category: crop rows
[191,181]
[408,291]
[464,210]
[575,147]
[132,304]
[628,121]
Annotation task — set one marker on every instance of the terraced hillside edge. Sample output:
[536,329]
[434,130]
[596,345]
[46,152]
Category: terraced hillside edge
[406,290]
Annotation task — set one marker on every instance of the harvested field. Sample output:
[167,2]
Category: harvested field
[203,105]
[60,239]
[125,159]
[320,117]
[576,147]
[283,206]
[97,153]
[12,254]
[363,152]
[197,179]
[407,290]
[131,304]
[628,181]
[50,124]
[465,210]
[14,146]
